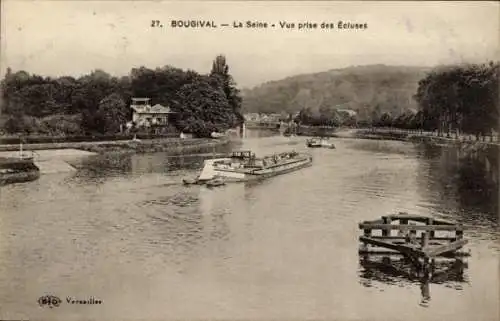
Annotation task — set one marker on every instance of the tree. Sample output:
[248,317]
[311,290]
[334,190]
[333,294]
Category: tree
[112,112]
[220,69]
[461,97]
[203,107]
[386,120]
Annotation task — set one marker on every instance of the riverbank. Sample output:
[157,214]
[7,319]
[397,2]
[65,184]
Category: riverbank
[421,136]
[172,146]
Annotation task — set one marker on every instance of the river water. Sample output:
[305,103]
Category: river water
[122,229]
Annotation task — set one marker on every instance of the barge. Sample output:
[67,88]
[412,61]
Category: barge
[244,166]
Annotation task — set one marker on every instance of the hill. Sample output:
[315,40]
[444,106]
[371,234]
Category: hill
[360,88]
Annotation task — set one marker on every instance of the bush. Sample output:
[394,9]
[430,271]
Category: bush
[62,125]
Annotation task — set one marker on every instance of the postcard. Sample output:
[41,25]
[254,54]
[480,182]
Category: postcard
[249,160]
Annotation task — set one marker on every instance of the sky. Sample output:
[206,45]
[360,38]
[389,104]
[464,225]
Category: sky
[70,37]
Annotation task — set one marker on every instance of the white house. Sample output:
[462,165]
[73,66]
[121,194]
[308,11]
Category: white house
[145,115]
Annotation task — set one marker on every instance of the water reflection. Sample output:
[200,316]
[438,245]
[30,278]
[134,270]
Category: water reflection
[459,183]
[399,270]
[97,169]
[478,184]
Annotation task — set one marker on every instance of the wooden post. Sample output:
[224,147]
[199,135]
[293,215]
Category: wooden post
[386,232]
[459,234]
[425,240]
[412,235]
[430,221]
[367,233]
[426,261]
[403,221]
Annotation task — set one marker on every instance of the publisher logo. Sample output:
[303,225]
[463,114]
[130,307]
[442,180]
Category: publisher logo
[49,301]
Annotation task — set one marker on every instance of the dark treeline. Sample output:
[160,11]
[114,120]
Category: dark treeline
[98,103]
[462,99]
[324,116]
[458,99]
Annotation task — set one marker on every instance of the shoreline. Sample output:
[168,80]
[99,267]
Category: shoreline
[406,136]
[417,137]
[173,146]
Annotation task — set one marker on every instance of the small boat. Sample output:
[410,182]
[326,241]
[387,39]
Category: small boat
[218,181]
[18,169]
[190,181]
[244,166]
[320,142]
[217,135]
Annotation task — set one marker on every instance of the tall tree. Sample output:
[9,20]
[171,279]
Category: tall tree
[112,113]
[220,69]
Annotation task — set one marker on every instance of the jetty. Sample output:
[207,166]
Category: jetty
[419,238]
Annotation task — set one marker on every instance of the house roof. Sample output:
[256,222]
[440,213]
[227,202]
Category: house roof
[160,109]
[156,109]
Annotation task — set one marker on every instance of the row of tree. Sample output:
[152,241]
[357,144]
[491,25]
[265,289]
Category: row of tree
[324,116]
[97,103]
[461,98]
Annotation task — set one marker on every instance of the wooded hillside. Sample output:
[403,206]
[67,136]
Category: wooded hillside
[363,89]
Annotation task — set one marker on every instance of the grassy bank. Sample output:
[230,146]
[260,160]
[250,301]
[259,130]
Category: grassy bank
[380,135]
[46,139]
[174,146]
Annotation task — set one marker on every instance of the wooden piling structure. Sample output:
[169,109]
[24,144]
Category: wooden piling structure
[421,249]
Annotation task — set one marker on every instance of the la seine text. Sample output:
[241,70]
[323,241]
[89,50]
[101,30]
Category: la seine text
[304,25]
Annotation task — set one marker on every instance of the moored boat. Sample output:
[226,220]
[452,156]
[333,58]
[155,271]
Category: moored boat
[18,170]
[218,135]
[245,166]
[218,181]
[320,142]
[190,181]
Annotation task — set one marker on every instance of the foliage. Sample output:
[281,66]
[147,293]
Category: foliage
[221,70]
[97,103]
[203,107]
[112,113]
[461,98]
[323,117]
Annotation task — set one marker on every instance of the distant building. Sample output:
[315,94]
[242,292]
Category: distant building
[252,117]
[348,112]
[145,115]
